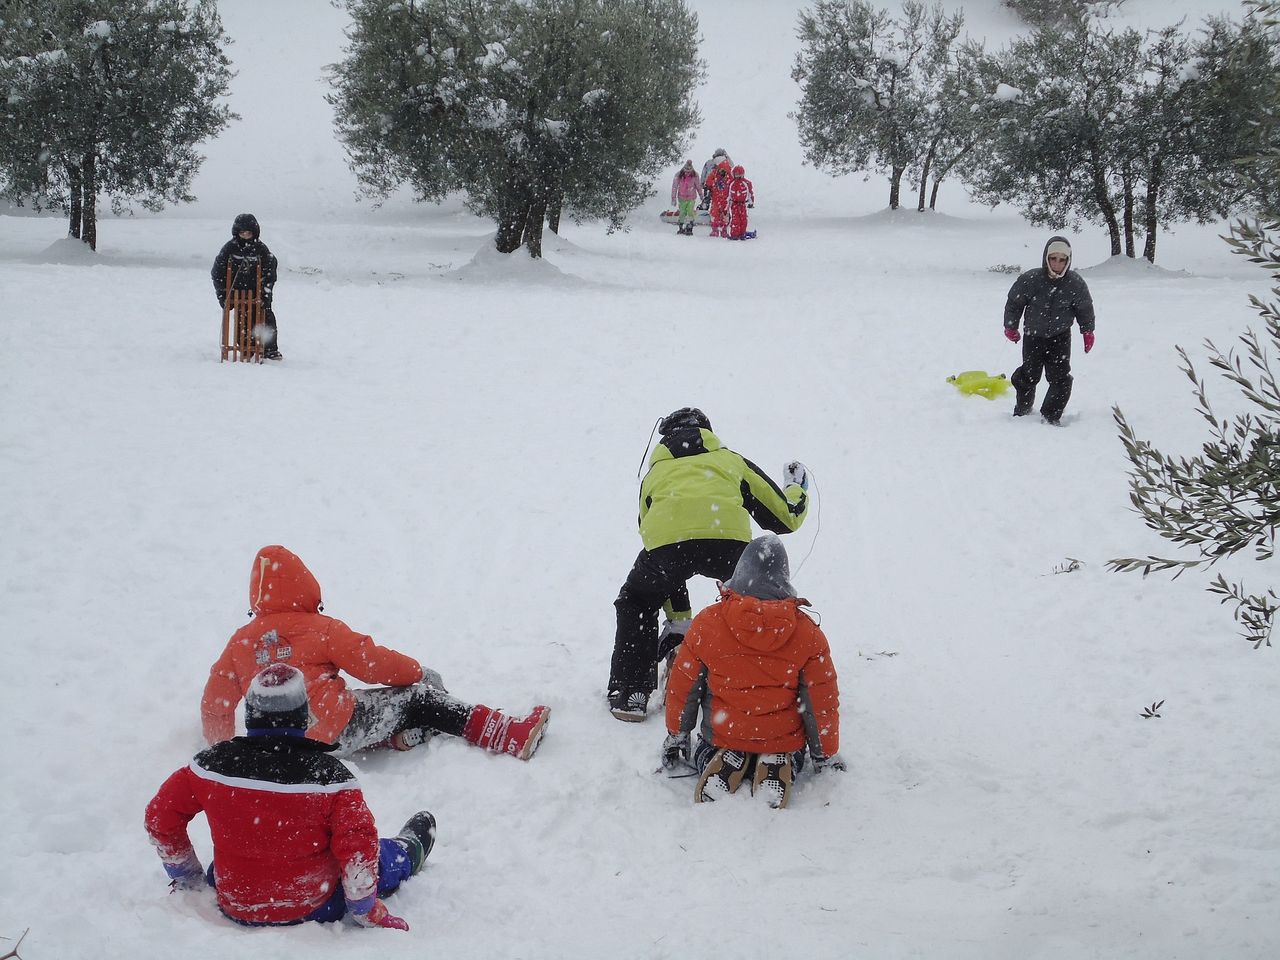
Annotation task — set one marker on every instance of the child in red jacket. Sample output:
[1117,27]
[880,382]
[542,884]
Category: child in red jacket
[292,837]
[718,188]
[760,672]
[411,706]
[741,197]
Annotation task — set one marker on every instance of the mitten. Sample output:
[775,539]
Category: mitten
[186,874]
[379,916]
[675,750]
[834,762]
[1088,340]
[751,204]
[794,472]
[222,299]
[1012,335]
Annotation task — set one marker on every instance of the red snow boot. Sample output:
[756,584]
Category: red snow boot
[494,730]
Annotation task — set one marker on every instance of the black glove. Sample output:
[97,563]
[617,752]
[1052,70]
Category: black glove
[675,750]
[222,300]
[833,762]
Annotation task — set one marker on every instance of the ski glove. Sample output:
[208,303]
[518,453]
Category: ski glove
[833,762]
[1088,340]
[186,875]
[675,750]
[794,472]
[1013,336]
[379,916]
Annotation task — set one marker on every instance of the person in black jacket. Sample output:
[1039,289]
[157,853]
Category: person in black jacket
[1050,299]
[245,252]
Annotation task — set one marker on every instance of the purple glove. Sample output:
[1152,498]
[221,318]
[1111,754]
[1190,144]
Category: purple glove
[379,916]
[187,874]
[1012,335]
[1088,340]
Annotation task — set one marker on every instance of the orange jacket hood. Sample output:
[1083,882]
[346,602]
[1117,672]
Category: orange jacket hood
[761,625]
[281,583]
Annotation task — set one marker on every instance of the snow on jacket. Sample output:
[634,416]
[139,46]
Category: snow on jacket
[288,822]
[741,191]
[288,628]
[697,489]
[685,185]
[760,672]
[1048,305]
[244,257]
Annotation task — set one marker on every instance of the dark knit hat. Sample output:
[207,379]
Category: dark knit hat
[684,418]
[277,700]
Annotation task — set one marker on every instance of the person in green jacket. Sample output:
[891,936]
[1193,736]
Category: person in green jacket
[696,506]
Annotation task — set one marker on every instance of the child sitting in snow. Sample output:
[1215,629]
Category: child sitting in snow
[760,672]
[288,627]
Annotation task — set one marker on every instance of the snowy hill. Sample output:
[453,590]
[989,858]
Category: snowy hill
[451,445]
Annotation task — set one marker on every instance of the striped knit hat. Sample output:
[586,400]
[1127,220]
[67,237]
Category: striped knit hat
[277,701]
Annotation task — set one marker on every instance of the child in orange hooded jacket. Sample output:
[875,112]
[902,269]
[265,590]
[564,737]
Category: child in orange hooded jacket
[760,672]
[287,627]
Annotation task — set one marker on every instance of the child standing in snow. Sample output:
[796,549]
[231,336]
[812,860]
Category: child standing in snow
[244,253]
[718,157]
[685,188]
[288,627]
[292,837]
[1050,298]
[718,189]
[760,672]
[741,197]
[696,506]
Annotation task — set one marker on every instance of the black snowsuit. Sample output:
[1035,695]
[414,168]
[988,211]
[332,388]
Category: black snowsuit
[244,258]
[1049,306]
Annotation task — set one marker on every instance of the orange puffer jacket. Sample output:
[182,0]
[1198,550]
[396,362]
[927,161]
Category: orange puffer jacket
[288,628]
[761,672]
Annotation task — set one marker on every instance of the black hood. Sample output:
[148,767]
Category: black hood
[246,221]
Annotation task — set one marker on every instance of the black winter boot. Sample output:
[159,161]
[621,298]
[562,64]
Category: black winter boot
[419,836]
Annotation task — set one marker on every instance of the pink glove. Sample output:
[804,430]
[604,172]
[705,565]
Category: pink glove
[379,916]
[1012,335]
[1088,340]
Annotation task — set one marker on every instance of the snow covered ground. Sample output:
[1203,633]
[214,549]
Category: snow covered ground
[451,445]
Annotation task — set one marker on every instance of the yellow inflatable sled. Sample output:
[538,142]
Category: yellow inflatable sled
[981,383]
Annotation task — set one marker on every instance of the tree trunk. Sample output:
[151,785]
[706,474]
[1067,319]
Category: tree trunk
[933,194]
[553,213]
[511,229]
[895,187]
[1151,218]
[533,228]
[924,174]
[1128,215]
[1102,197]
[77,187]
[89,213]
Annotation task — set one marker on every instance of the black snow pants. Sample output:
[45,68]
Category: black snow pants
[383,711]
[657,575]
[1052,357]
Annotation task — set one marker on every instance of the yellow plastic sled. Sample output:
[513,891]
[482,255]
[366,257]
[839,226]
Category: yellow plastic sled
[981,383]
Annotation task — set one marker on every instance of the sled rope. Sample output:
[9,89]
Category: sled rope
[647,446]
[817,519]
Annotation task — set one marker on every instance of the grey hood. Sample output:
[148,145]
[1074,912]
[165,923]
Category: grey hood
[763,571]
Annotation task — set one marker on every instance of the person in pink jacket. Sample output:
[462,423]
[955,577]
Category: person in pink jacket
[741,197]
[686,187]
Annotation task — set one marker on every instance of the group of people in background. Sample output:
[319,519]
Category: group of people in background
[722,189]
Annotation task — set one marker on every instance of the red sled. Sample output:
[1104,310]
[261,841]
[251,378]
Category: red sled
[672,217]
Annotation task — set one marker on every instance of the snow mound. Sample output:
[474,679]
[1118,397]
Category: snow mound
[490,266]
[1131,267]
[66,250]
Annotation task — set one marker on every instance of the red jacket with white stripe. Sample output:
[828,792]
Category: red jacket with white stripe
[288,821]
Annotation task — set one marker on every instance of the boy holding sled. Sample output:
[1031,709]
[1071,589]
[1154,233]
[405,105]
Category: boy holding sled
[288,627]
[696,506]
[292,837]
[759,670]
[245,253]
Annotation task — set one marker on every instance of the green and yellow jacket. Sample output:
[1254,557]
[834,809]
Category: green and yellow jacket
[697,489]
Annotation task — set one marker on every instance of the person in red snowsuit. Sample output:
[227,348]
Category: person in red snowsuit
[293,839]
[718,186]
[741,197]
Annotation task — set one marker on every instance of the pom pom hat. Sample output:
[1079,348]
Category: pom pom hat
[277,702]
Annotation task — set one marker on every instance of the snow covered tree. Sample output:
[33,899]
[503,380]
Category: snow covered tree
[107,97]
[870,86]
[1128,129]
[530,107]
[1041,13]
[1227,499]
